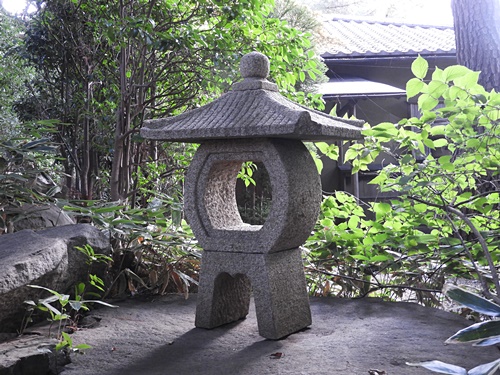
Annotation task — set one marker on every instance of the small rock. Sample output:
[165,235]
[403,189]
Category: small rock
[31,355]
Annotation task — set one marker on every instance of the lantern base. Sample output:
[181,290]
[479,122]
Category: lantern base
[278,284]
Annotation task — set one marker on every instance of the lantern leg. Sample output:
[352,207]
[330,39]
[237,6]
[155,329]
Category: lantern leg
[278,284]
[222,298]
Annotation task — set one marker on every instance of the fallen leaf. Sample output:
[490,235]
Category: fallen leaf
[277,355]
[377,372]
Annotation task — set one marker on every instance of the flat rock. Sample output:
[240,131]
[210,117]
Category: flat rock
[31,355]
[348,337]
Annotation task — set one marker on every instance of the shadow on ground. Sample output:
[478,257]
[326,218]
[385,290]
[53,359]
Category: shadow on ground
[346,337]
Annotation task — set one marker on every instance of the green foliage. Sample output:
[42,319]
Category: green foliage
[154,250]
[26,175]
[125,62]
[253,193]
[303,19]
[445,368]
[60,314]
[67,342]
[246,173]
[485,333]
[13,72]
[445,171]
[93,280]
[361,248]
[62,309]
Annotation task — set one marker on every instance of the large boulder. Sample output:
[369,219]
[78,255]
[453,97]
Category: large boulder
[35,217]
[46,258]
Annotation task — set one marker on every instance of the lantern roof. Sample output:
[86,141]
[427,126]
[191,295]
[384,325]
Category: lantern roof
[252,109]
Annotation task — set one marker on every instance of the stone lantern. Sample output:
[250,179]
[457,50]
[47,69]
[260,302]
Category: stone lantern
[252,122]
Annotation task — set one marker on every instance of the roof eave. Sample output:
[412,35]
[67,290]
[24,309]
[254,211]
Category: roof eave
[386,56]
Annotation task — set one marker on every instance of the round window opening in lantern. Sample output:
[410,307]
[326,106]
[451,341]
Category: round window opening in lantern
[253,193]
[244,185]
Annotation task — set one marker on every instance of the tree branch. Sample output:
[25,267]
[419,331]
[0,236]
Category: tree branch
[482,242]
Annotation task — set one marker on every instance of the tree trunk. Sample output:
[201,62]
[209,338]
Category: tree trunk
[119,163]
[86,147]
[477,35]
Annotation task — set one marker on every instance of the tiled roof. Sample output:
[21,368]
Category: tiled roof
[365,37]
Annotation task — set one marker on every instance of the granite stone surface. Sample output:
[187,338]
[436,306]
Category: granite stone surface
[210,203]
[278,285]
[46,258]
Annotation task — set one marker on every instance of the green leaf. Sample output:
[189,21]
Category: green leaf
[486,369]
[420,207]
[426,238]
[82,347]
[441,142]
[99,302]
[428,116]
[380,258]
[384,129]
[67,338]
[488,342]
[407,159]
[429,143]
[327,223]
[319,164]
[60,345]
[445,159]
[473,143]
[436,88]
[426,102]
[311,75]
[329,150]
[437,75]
[448,167]
[473,301]
[476,332]
[103,210]
[467,80]
[414,87]
[379,180]
[441,367]
[454,71]
[419,67]
[353,222]
[382,208]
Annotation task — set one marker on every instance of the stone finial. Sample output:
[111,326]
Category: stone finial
[254,65]
[252,109]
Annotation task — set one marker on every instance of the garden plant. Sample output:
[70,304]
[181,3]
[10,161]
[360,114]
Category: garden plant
[444,166]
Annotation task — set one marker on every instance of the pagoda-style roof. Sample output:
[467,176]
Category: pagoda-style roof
[252,109]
